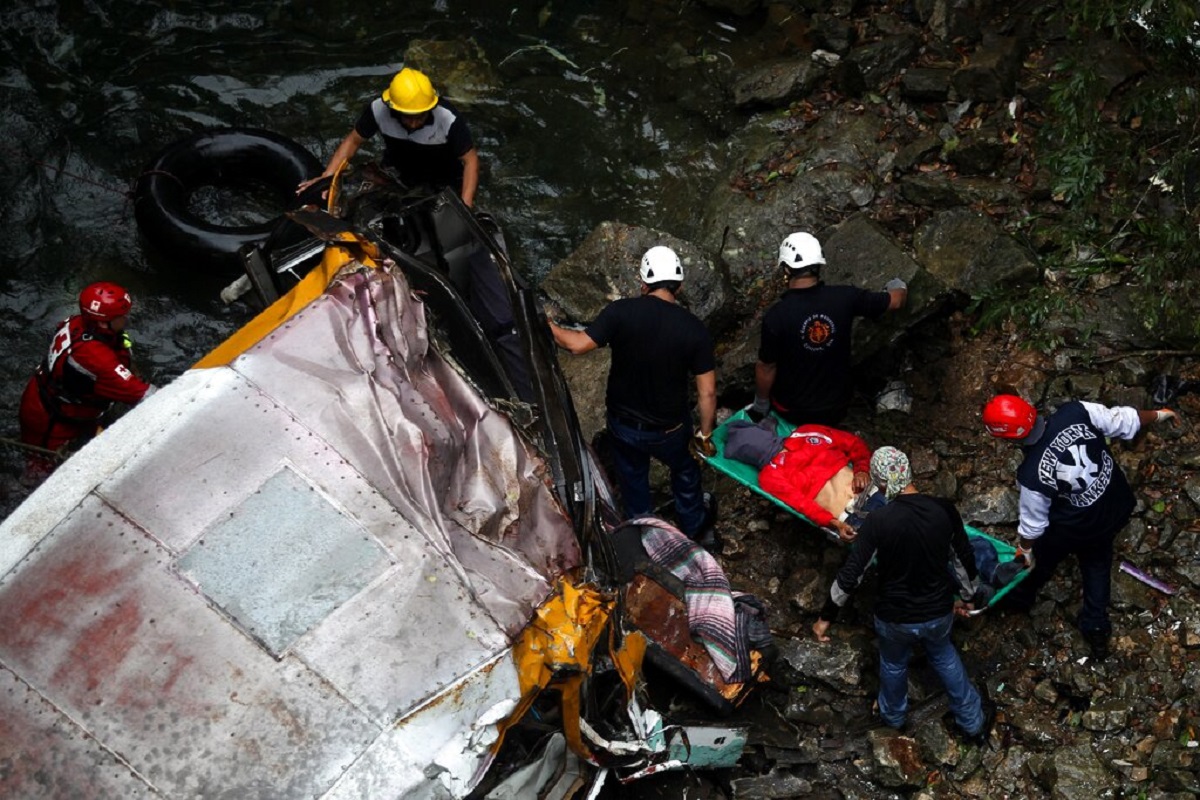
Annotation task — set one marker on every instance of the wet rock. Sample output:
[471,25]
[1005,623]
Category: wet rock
[993,506]
[991,72]
[605,268]
[1176,767]
[880,61]
[1110,714]
[969,252]
[896,759]
[777,84]
[457,67]
[776,784]
[1074,773]
[926,85]
[838,664]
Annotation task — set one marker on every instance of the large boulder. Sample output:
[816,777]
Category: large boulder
[605,266]
[828,170]
[969,252]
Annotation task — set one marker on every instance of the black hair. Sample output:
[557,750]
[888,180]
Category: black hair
[800,272]
[670,286]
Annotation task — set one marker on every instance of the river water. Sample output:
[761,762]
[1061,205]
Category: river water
[572,104]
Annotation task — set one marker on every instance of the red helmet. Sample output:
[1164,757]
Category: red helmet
[1007,416]
[104,301]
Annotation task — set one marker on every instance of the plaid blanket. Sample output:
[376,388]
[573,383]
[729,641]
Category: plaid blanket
[712,617]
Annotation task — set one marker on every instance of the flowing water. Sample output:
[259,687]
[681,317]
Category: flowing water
[575,113]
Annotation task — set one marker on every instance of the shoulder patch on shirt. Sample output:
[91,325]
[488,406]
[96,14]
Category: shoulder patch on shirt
[123,372]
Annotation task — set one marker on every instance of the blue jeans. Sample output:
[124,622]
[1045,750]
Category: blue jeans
[896,640]
[632,450]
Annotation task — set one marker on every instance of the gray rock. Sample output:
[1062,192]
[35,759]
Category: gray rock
[969,252]
[1176,768]
[775,784]
[950,20]
[777,84]
[994,506]
[837,663]
[926,84]
[896,759]
[1109,714]
[880,61]
[1074,773]
[739,8]
[991,73]
[605,268]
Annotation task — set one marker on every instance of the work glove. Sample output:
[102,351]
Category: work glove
[1166,414]
[702,446]
[1025,555]
[895,283]
[756,412]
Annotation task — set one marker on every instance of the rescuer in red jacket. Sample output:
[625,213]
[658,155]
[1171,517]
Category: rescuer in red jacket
[86,370]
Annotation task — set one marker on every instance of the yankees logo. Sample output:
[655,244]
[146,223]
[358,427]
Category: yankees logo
[1073,470]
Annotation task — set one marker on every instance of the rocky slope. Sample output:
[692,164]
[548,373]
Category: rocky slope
[902,134]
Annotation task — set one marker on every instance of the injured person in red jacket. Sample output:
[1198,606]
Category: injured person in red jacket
[818,472]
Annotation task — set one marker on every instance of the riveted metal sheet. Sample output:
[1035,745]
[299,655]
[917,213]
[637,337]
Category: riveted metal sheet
[98,623]
[283,559]
[43,754]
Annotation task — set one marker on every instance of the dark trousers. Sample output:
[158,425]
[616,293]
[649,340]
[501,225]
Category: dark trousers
[632,449]
[1095,555]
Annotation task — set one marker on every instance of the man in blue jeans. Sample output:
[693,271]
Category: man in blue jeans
[912,539]
[656,345]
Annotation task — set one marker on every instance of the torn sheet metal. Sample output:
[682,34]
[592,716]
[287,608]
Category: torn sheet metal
[298,572]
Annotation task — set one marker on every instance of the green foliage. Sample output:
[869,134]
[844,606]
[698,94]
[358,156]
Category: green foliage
[1125,162]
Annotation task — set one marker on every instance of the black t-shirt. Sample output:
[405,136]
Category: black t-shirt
[428,156]
[918,543]
[806,335]
[655,345]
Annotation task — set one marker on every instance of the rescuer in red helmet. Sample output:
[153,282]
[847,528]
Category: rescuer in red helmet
[85,371]
[1074,498]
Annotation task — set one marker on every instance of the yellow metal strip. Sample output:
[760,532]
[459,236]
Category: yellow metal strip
[312,286]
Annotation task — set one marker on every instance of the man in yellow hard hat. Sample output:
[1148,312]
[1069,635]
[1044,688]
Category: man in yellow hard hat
[426,140]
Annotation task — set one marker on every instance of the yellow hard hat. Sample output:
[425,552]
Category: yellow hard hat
[410,92]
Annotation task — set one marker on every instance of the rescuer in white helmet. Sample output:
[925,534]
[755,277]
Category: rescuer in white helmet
[803,371]
[656,345]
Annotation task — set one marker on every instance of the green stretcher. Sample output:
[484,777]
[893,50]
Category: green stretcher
[747,475]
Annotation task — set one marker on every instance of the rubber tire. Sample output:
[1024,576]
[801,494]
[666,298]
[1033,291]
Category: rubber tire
[220,157]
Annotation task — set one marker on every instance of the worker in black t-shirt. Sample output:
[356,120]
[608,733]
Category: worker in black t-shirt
[425,139]
[910,542]
[803,371]
[656,345]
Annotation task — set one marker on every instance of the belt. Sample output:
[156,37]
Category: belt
[638,425]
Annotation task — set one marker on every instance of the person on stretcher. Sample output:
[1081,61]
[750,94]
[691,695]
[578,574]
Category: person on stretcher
[818,472]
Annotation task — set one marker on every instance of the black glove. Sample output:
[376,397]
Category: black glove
[756,412]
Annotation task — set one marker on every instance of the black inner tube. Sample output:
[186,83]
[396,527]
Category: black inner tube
[229,157]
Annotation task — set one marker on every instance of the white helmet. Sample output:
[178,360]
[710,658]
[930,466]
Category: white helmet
[800,251]
[661,264]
